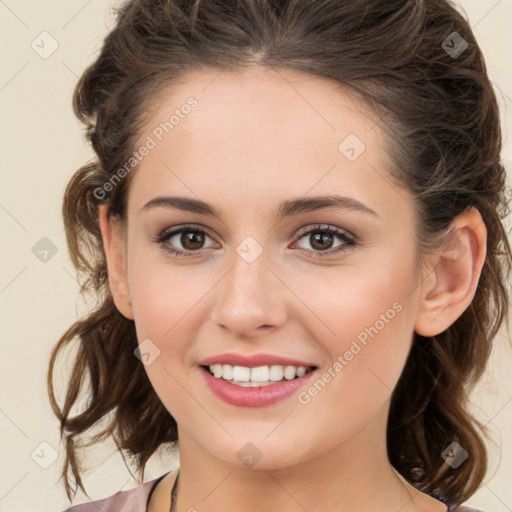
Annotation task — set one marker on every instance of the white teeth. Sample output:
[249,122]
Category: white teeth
[241,374]
[227,371]
[289,372]
[259,375]
[251,384]
[276,373]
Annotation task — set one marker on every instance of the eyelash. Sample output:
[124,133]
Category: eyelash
[349,241]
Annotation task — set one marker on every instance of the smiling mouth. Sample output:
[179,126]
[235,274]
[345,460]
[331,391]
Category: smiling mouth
[257,376]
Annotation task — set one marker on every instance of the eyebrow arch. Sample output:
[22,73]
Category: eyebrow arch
[286,208]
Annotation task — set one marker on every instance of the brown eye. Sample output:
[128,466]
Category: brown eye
[191,239]
[321,239]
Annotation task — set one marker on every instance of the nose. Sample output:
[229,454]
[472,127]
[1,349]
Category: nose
[250,300]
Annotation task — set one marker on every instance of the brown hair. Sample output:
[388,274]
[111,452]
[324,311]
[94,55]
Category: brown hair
[444,136]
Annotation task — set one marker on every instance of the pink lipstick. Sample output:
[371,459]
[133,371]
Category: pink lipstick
[278,378]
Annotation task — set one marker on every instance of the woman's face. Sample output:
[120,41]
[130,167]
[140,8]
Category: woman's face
[257,148]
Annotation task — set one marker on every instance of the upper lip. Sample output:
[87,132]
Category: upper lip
[253,360]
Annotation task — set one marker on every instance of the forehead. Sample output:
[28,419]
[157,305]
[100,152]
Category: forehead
[258,129]
[269,100]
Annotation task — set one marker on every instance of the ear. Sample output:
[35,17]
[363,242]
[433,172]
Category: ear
[451,282]
[114,245]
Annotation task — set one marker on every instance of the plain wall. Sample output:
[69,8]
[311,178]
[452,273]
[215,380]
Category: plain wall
[41,146]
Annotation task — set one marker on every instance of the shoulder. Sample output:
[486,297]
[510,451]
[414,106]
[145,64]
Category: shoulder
[132,500]
[463,508]
[453,507]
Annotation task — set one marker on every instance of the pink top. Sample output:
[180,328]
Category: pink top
[132,500]
[137,500]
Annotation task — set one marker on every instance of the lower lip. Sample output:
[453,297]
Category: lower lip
[254,397]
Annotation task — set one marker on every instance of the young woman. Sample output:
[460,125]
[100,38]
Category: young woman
[294,230]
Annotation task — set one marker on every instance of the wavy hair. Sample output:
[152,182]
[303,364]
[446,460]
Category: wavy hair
[445,139]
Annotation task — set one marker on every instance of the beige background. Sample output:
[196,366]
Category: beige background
[41,146]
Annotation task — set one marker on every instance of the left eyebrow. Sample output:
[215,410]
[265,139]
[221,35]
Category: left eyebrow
[301,205]
[286,208]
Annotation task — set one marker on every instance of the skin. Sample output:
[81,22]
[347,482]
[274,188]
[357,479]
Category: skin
[255,139]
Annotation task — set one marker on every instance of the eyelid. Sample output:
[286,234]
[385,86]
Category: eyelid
[182,227]
[302,231]
[326,227]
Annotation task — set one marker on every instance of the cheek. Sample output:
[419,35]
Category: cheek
[364,318]
[163,293]
[163,301]
[349,299]
[367,358]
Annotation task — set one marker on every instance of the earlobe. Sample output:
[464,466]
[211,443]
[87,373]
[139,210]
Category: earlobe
[450,285]
[113,245]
